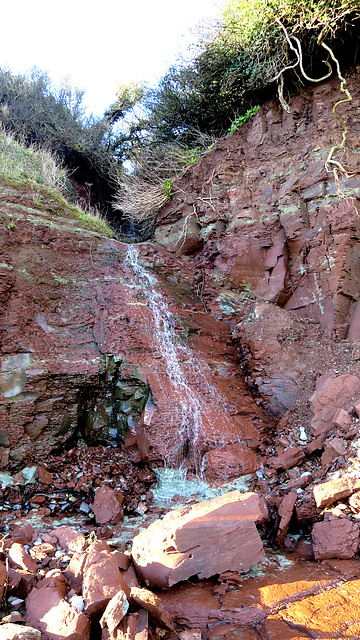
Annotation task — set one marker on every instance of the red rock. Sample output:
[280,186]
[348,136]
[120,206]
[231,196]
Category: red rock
[116,609]
[288,459]
[205,539]
[123,560]
[229,462]
[69,538]
[329,492]
[357,408]
[342,419]
[315,445]
[128,628]
[24,582]
[107,506]
[332,392]
[335,539]
[20,558]
[101,580]
[152,603]
[354,502]
[333,449]
[75,570]
[286,510]
[25,532]
[301,482]
[47,610]
[304,549]
[41,551]
[2,579]
[10,631]
[13,580]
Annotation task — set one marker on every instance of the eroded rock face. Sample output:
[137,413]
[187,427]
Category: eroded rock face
[80,353]
[287,234]
[202,540]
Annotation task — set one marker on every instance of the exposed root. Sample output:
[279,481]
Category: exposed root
[330,164]
[184,229]
[343,88]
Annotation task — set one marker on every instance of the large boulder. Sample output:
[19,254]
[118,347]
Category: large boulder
[201,540]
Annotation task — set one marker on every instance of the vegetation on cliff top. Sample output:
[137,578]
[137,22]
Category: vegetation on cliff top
[45,180]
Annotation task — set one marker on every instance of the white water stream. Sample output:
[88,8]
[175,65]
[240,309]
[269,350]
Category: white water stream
[183,370]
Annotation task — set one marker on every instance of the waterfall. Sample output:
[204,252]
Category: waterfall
[183,370]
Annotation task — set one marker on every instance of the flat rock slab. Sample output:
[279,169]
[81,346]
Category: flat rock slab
[205,539]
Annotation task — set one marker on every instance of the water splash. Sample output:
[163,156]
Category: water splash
[182,369]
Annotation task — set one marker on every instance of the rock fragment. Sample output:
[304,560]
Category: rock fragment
[335,539]
[107,506]
[342,419]
[101,580]
[230,462]
[10,631]
[286,510]
[205,539]
[288,459]
[329,492]
[115,611]
[152,603]
[69,538]
[19,557]
[47,611]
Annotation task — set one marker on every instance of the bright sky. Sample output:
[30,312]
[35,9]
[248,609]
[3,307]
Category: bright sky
[99,44]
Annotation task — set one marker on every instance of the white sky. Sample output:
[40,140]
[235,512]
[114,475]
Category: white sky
[99,44]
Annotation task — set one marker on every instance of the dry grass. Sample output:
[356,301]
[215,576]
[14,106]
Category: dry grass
[20,163]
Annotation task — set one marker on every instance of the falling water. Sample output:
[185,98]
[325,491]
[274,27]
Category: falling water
[179,362]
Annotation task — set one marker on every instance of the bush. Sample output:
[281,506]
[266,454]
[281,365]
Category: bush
[54,119]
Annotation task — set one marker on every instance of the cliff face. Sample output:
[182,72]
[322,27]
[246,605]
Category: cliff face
[237,356]
[260,215]
[83,353]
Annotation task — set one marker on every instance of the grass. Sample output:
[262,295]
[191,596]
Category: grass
[47,181]
[19,163]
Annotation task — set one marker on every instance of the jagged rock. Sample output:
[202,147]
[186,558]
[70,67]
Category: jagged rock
[152,603]
[2,579]
[131,627]
[335,539]
[43,475]
[205,539]
[10,631]
[123,560]
[331,394]
[107,506]
[286,510]
[115,610]
[334,448]
[329,492]
[101,578]
[69,538]
[19,557]
[288,459]
[342,419]
[47,610]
